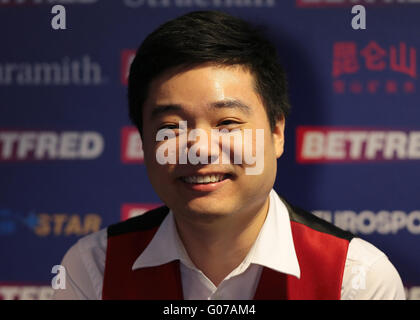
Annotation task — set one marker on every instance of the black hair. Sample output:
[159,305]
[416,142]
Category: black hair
[215,37]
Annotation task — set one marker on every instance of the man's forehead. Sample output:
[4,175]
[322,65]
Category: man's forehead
[215,87]
[169,80]
[232,104]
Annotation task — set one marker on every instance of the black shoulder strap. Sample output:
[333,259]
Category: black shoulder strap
[154,218]
[146,221]
[312,221]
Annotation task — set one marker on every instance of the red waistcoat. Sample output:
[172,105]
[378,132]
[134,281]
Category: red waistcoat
[321,250]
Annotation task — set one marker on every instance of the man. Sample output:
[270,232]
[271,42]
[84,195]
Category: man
[224,232]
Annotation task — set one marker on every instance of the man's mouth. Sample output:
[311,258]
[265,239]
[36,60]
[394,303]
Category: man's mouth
[205,179]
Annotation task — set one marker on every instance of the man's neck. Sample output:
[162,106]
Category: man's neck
[217,248]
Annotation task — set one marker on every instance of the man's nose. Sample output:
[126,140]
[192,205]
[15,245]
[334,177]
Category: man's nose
[203,142]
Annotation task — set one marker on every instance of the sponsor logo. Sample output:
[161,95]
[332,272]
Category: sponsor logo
[130,210]
[38,145]
[41,2]
[58,224]
[368,222]
[25,291]
[28,291]
[412,293]
[127,57]
[49,224]
[349,61]
[67,71]
[333,144]
[200,3]
[131,145]
[348,3]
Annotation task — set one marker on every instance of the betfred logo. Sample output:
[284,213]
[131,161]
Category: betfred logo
[130,210]
[127,57]
[37,145]
[349,61]
[332,144]
[25,291]
[131,145]
[349,3]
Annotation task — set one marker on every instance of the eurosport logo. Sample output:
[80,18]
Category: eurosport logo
[398,62]
[64,72]
[348,3]
[130,210]
[335,144]
[48,224]
[41,145]
[200,3]
[25,291]
[384,222]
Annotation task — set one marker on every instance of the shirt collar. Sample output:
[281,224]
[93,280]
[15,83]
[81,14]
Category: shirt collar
[274,247]
[165,247]
[275,237]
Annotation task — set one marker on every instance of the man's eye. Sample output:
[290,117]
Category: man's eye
[171,126]
[228,122]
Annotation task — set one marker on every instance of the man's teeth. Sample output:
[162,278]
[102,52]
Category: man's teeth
[204,179]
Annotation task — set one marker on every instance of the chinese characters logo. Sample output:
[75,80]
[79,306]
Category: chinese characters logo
[373,59]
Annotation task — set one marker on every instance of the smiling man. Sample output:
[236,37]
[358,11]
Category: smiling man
[223,233]
[237,202]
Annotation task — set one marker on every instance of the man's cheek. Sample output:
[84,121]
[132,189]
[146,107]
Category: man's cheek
[254,143]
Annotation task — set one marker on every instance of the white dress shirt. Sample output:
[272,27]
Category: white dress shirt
[368,273]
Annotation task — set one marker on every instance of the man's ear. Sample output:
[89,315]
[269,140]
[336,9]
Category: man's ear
[278,136]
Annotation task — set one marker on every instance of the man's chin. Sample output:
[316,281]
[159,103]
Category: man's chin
[206,210]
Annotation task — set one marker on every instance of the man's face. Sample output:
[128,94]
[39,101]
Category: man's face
[200,96]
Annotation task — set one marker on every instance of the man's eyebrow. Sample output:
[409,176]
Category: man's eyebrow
[227,103]
[162,109]
[232,103]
